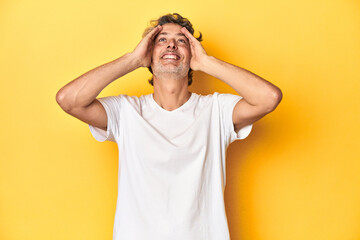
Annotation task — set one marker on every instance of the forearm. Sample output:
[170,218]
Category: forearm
[83,90]
[254,89]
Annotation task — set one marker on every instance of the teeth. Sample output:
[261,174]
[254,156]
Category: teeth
[169,57]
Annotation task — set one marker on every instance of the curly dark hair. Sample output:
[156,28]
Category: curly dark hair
[172,18]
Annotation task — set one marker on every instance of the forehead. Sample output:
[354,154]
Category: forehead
[171,28]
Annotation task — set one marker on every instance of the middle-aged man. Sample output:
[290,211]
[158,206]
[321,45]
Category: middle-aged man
[172,143]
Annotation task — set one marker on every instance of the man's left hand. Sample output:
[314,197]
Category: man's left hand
[198,53]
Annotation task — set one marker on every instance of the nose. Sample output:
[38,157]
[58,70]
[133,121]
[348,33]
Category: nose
[172,44]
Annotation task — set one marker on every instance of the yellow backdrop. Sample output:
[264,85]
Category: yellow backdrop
[295,177]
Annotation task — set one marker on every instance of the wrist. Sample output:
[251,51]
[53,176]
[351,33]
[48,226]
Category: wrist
[205,63]
[133,60]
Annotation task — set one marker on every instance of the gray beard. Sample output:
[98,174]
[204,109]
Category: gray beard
[166,71]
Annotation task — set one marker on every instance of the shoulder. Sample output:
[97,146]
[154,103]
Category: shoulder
[221,98]
[228,97]
[121,100]
[204,98]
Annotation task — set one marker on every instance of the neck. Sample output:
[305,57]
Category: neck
[171,94]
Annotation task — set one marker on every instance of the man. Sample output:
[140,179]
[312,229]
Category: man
[172,143]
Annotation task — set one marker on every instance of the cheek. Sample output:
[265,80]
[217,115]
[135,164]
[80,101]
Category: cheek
[188,54]
[155,52]
[186,51]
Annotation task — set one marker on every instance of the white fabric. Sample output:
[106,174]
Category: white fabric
[171,166]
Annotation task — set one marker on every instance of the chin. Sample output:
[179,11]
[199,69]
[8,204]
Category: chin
[170,75]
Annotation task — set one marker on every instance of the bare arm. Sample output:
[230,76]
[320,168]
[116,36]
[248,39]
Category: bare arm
[78,97]
[260,97]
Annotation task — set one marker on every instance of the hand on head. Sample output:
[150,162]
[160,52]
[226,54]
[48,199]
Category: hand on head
[143,50]
[198,52]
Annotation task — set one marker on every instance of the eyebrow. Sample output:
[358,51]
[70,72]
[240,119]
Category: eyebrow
[177,34]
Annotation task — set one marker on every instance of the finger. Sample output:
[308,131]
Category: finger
[155,31]
[187,34]
[192,40]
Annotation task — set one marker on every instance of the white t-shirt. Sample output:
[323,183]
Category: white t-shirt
[171,166]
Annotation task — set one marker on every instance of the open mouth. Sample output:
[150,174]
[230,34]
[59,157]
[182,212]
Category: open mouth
[171,56]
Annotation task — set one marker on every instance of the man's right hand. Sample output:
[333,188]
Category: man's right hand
[143,51]
[78,98]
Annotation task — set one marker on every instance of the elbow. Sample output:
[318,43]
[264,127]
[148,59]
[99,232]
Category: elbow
[274,99]
[62,100]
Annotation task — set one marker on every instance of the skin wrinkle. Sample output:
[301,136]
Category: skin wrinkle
[172,19]
[165,69]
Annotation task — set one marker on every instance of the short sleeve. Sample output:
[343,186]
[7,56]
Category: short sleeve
[227,104]
[112,106]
